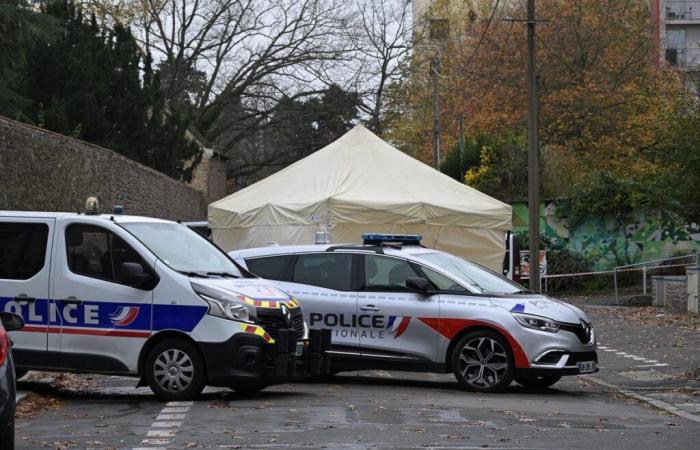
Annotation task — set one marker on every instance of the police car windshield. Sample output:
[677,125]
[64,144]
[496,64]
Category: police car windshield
[480,279]
[183,249]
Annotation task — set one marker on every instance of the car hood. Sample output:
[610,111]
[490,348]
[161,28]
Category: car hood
[540,305]
[253,288]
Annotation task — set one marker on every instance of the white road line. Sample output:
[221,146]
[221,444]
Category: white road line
[161,433]
[156,441]
[179,404]
[654,365]
[166,425]
[178,409]
[170,416]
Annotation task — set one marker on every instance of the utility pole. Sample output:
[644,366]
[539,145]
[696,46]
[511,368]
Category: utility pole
[435,68]
[533,151]
[461,147]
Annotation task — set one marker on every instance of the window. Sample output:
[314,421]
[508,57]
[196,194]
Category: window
[22,249]
[327,270]
[98,253]
[440,281]
[270,267]
[387,274]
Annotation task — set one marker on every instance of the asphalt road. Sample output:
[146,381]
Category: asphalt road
[377,409]
[359,410]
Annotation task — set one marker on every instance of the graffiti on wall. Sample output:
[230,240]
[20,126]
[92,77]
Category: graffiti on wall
[603,243]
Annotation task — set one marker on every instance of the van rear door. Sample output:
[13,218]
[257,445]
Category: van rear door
[25,267]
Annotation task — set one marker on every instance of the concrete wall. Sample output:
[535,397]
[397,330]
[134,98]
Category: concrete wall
[45,171]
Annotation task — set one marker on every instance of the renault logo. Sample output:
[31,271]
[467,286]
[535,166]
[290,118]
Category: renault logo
[287,315]
[586,328]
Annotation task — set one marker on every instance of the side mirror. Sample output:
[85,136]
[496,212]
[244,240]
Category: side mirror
[419,284]
[11,321]
[134,275]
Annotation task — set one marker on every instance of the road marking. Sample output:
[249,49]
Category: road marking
[170,416]
[161,433]
[649,362]
[178,409]
[166,425]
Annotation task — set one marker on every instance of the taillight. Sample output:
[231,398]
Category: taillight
[4,346]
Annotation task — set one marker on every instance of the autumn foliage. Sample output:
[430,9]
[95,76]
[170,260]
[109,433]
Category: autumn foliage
[605,104]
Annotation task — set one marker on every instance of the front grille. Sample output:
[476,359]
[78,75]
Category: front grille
[273,320]
[581,333]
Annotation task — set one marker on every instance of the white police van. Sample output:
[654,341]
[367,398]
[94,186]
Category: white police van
[394,304]
[150,298]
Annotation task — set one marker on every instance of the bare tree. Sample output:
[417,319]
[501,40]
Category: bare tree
[381,37]
[250,49]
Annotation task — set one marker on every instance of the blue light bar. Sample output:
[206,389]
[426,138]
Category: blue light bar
[381,238]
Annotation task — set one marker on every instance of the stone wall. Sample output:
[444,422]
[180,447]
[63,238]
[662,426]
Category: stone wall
[45,171]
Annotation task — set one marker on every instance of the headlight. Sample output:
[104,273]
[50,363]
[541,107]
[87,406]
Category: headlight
[225,305]
[537,322]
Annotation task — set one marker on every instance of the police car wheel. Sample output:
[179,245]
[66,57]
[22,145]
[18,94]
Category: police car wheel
[248,388]
[175,370]
[483,361]
[540,382]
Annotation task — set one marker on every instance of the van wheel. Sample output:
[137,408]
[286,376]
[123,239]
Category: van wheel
[482,361]
[248,388]
[540,382]
[174,370]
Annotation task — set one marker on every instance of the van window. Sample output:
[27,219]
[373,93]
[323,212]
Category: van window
[327,270]
[270,267]
[98,253]
[22,249]
[387,274]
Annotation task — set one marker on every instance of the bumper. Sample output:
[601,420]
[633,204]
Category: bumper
[7,397]
[561,363]
[247,357]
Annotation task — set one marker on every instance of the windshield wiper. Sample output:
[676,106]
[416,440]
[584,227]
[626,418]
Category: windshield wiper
[523,291]
[193,274]
[222,274]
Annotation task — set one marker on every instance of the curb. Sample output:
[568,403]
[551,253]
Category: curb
[21,395]
[643,398]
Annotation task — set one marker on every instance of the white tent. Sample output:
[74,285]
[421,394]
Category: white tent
[359,184]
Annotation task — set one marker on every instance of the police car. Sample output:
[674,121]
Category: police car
[150,298]
[393,304]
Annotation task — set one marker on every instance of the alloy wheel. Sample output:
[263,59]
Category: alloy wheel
[483,362]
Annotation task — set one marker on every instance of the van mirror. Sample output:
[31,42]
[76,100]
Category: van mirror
[134,275]
[11,321]
[419,284]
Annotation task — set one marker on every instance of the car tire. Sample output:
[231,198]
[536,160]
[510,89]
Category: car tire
[483,361]
[539,382]
[248,388]
[174,370]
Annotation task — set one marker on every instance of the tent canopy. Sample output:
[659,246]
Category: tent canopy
[358,184]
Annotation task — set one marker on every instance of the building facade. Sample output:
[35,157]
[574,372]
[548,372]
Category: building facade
[677,33]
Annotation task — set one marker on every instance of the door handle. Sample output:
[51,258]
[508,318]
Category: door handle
[24,299]
[369,308]
[71,301]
